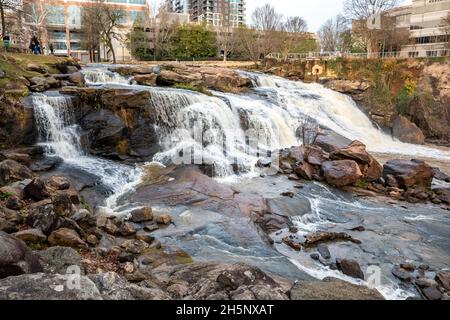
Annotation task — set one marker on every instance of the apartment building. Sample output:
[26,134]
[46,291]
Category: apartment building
[62,24]
[213,12]
[427,36]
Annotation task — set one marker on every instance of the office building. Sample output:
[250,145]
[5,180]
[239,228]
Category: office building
[215,12]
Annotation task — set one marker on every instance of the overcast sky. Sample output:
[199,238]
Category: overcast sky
[316,12]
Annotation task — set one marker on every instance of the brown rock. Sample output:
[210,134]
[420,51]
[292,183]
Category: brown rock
[11,171]
[164,219]
[58,182]
[350,268]
[37,190]
[341,173]
[31,236]
[146,79]
[443,278]
[325,236]
[66,238]
[406,131]
[142,215]
[409,173]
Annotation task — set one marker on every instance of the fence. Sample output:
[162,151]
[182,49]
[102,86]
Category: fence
[372,55]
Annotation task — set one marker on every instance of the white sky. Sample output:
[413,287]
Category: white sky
[316,12]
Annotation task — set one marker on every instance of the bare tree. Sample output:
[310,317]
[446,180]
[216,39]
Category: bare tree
[446,28]
[293,32]
[36,17]
[332,34]
[5,6]
[164,26]
[266,18]
[363,9]
[249,43]
[106,22]
[308,131]
[91,35]
[226,40]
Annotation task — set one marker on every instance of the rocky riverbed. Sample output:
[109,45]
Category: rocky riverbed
[88,205]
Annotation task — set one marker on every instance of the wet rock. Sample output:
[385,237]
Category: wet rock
[289,194]
[125,257]
[324,251]
[164,219]
[432,293]
[304,170]
[133,70]
[425,283]
[42,216]
[135,246]
[77,78]
[41,286]
[66,237]
[22,158]
[62,204]
[41,84]
[443,278]
[410,267]
[31,236]
[409,173]
[127,229]
[341,173]
[324,236]
[350,268]
[58,183]
[15,257]
[37,190]
[60,260]
[151,227]
[330,141]
[143,236]
[359,229]
[356,151]
[402,275]
[142,215]
[14,203]
[406,131]
[146,79]
[443,194]
[439,175]
[45,164]
[315,256]
[291,243]
[332,289]
[11,171]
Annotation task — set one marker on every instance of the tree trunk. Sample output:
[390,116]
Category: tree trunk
[225,54]
[2,13]
[112,51]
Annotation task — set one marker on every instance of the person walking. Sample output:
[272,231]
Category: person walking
[52,50]
[6,42]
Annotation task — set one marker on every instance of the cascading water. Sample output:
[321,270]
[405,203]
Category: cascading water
[55,121]
[98,76]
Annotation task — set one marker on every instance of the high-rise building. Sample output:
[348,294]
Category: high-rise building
[62,24]
[181,6]
[214,12]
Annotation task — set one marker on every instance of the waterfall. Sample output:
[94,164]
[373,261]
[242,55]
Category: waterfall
[54,116]
[98,76]
[55,121]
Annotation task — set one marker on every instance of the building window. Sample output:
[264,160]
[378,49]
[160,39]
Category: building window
[432,53]
[413,54]
[55,15]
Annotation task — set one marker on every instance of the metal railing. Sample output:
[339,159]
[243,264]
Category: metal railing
[373,55]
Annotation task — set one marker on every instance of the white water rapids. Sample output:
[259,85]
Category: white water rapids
[216,130]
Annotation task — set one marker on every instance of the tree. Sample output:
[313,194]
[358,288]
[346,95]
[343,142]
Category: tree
[194,41]
[249,43]
[293,32]
[138,43]
[269,23]
[8,5]
[226,40]
[165,26]
[36,17]
[333,34]
[446,28]
[361,11]
[105,22]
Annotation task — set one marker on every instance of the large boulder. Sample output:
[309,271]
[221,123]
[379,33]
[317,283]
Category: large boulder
[409,173]
[369,166]
[40,84]
[348,86]
[341,173]
[133,70]
[31,237]
[406,131]
[146,79]
[60,259]
[350,268]
[15,257]
[42,216]
[77,78]
[66,237]
[330,141]
[171,78]
[37,190]
[125,98]
[11,171]
[332,289]
[41,286]
[9,220]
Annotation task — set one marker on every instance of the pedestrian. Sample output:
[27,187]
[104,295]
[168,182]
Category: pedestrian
[52,50]
[6,42]
[31,46]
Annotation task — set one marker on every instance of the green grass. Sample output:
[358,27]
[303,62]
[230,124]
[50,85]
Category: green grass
[85,204]
[5,196]
[193,88]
